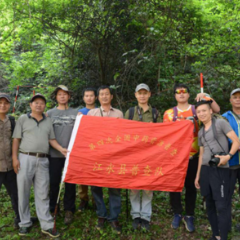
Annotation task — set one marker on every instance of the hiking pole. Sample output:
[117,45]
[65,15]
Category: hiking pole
[201,82]
[127,203]
[56,208]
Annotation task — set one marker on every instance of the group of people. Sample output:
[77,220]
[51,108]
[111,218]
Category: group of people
[36,155]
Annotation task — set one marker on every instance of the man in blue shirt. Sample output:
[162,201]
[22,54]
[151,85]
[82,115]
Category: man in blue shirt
[89,98]
[233,118]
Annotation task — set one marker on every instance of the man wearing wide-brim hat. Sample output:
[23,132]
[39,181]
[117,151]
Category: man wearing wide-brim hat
[63,119]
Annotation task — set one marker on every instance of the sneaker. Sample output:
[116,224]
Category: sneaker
[68,217]
[145,225]
[189,223]
[176,221]
[100,224]
[116,227]
[83,205]
[136,223]
[23,231]
[51,232]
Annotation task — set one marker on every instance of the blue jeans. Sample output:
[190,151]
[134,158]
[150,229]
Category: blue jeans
[114,203]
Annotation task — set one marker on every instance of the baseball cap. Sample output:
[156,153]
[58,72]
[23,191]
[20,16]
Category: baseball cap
[235,91]
[38,95]
[6,96]
[142,86]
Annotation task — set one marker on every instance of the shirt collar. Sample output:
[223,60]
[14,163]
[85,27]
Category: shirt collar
[111,109]
[29,115]
[149,108]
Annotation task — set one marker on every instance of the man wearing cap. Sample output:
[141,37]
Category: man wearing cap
[233,118]
[141,211]
[31,138]
[7,174]
[105,97]
[185,111]
[89,98]
[63,119]
[213,175]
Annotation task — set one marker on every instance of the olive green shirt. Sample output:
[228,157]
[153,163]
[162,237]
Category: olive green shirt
[146,116]
[34,135]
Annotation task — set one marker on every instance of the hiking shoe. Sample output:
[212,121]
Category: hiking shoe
[52,233]
[145,225]
[100,224]
[136,223]
[189,223]
[68,217]
[176,221]
[23,231]
[116,227]
[83,205]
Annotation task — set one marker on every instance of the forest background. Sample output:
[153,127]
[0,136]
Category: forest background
[86,43]
[83,43]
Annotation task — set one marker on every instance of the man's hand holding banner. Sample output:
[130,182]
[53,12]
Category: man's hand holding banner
[118,153]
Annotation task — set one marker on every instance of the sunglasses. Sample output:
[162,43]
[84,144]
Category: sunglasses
[178,91]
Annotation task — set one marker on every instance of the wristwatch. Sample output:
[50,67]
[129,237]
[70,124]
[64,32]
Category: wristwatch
[230,155]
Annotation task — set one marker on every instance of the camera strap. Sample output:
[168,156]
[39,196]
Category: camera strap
[235,115]
[214,135]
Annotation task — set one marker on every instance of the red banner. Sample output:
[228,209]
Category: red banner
[119,153]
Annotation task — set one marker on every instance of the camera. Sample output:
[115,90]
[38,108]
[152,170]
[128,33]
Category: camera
[215,160]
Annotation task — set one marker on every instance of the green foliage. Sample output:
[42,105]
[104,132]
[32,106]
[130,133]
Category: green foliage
[83,226]
[83,43]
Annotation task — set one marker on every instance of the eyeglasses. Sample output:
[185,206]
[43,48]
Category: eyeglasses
[178,91]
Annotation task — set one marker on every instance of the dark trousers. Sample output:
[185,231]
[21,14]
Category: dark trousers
[56,166]
[190,193]
[8,179]
[114,203]
[216,188]
[235,174]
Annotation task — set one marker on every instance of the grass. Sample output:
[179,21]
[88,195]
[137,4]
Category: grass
[83,226]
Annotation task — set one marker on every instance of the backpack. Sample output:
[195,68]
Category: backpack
[175,113]
[12,121]
[154,114]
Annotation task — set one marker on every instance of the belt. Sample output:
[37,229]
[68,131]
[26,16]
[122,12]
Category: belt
[38,155]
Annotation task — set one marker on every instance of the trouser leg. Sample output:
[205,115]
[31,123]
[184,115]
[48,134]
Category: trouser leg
[55,170]
[24,181]
[146,210]
[191,192]
[11,186]
[175,201]
[69,197]
[114,203]
[135,203]
[212,214]
[83,192]
[98,198]
[224,216]
[41,189]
